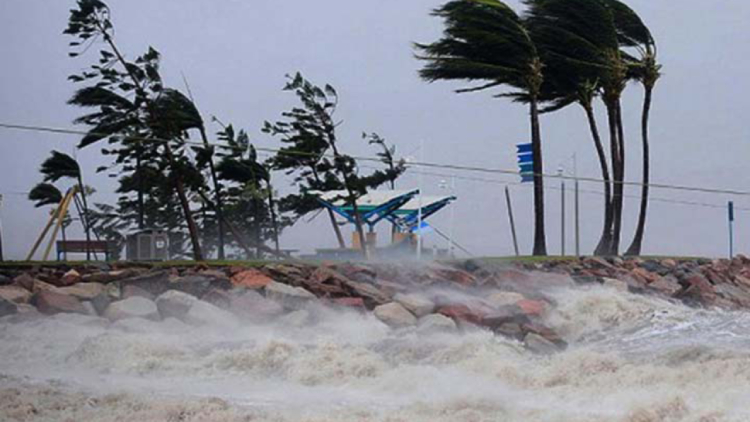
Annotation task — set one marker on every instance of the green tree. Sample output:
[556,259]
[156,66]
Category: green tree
[249,195]
[486,41]
[312,153]
[62,166]
[153,111]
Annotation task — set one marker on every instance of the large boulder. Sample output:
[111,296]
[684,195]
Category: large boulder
[372,295]
[50,302]
[26,281]
[218,297]
[395,315]
[288,296]
[416,304]
[175,304]
[132,290]
[436,323]
[155,282]
[189,309]
[204,313]
[539,344]
[132,307]
[197,285]
[251,279]
[15,294]
[70,278]
[83,291]
[252,306]
[7,308]
[500,299]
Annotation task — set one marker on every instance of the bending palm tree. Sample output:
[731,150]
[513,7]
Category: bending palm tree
[486,41]
[633,34]
[57,167]
[580,41]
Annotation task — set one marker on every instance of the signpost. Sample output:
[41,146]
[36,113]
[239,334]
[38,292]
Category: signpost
[525,162]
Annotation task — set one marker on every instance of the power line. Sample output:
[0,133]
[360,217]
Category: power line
[375,159]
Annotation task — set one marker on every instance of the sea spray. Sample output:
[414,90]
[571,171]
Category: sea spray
[631,358]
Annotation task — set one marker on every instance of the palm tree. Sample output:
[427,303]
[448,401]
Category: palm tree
[61,166]
[486,41]
[635,35]
[579,39]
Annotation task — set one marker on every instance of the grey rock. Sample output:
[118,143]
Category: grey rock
[83,291]
[253,306]
[204,313]
[416,304]
[133,307]
[175,304]
[539,344]
[50,302]
[101,302]
[287,296]
[436,323]
[7,308]
[15,294]
[395,315]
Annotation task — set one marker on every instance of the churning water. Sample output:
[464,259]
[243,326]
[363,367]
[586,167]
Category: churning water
[631,359]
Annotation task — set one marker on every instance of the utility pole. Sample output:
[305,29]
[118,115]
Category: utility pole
[577,207]
[1,229]
[731,229]
[512,222]
[562,212]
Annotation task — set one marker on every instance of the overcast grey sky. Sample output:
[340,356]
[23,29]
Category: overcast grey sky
[235,54]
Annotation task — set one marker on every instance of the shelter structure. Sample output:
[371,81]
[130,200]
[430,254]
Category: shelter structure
[400,207]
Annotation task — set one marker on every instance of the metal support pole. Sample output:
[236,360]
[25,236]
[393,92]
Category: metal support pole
[578,220]
[731,229]
[562,217]
[1,228]
[419,212]
[512,222]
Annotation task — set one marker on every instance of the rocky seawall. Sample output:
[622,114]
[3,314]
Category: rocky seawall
[584,340]
[506,298]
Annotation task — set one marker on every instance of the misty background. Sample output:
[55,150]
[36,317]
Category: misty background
[235,53]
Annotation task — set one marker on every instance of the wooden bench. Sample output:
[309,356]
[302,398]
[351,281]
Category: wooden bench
[80,246]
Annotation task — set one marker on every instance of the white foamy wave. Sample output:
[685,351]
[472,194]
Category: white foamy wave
[631,359]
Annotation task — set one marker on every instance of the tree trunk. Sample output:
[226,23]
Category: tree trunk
[635,247]
[606,238]
[611,248]
[540,242]
[192,228]
[619,186]
[336,229]
[85,221]
[197,253]
[274,221]
[217,193]
[139,174]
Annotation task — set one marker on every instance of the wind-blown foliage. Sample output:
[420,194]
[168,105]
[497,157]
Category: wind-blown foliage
[486,42]
[312,154]
[132,105]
